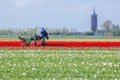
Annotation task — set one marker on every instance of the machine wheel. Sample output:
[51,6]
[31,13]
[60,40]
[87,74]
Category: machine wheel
[43,44]
[24,44]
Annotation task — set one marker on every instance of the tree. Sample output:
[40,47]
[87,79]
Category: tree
[116,32]
[114,27]
[106,26]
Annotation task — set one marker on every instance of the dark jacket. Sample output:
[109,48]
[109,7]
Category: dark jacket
[43,32]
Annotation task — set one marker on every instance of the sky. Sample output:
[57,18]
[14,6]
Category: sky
[75,14]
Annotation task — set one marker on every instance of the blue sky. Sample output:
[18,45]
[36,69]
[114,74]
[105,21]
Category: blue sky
[57,13]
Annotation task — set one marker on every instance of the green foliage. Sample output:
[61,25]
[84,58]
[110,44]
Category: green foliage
[116,32]
[106,26]
[114,27]
[70,64]
[89,33]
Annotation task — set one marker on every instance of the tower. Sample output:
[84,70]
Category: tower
[94,21]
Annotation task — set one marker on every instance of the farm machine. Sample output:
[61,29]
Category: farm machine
[34,39]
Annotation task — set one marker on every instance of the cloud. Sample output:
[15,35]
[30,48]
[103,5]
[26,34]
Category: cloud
[20,3]
[15,3]
[40,3]
[51,3]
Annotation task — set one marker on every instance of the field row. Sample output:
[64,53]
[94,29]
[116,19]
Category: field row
[68,44]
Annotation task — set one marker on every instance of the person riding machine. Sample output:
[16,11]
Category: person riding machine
[43,35]
[35,39]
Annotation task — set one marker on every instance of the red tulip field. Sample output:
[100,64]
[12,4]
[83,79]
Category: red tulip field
[69,44]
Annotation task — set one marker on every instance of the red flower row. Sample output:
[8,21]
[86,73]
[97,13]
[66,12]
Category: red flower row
[68,44]
[85,44]
[10,43]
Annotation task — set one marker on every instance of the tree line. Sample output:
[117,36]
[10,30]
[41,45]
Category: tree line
[108,29]
[30,31]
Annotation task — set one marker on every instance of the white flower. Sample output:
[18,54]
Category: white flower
[110,64]
[94,76]
[82,63]
[75,64]
[104,64]
[87,68]
[103,68]
[116,79]
[23,74]
[98,72]
[2,66]
[116,65]
[59,75]
[54,79]
[69,64]
[33,69]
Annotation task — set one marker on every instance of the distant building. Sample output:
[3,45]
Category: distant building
[94,21]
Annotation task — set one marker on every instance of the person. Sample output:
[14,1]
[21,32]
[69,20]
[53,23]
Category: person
[44,34]
[26,39]
[22,39]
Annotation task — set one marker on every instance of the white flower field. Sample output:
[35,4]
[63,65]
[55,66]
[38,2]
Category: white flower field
[60,64]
